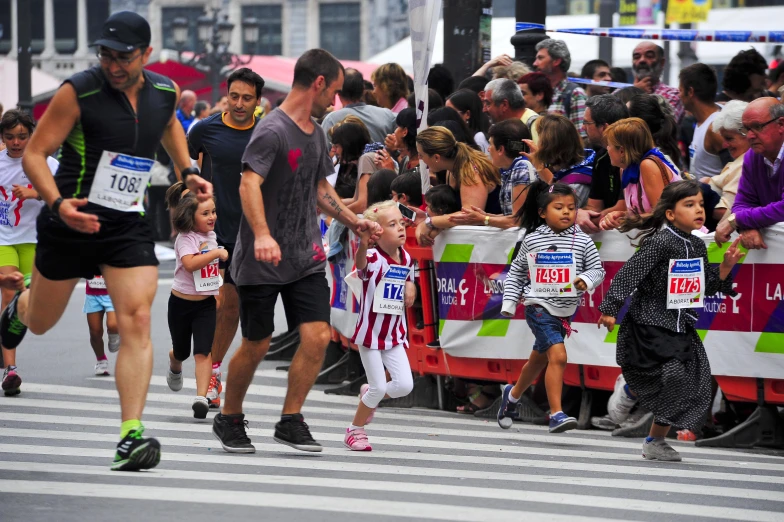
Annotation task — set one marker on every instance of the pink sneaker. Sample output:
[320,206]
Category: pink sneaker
[362,391]
[357,440]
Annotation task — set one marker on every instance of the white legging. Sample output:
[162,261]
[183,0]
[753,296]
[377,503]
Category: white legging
[396,361]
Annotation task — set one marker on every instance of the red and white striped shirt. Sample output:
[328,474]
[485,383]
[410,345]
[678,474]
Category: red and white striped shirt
[374,330]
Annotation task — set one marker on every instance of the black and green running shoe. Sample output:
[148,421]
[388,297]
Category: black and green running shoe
[135,452]
[12,331]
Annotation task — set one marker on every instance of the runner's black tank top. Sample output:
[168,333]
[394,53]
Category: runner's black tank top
[109,123]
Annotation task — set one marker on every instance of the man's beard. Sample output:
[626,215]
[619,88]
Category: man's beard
[644,71]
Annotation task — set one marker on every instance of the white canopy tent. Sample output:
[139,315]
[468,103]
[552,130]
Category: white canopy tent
[9,87]
[584,48]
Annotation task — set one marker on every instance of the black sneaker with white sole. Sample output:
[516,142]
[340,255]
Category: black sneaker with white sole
[135,452]
[230,431]
[292,431]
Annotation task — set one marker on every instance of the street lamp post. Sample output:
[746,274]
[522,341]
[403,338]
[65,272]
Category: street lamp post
[214,35]
[24,57]
[532,11]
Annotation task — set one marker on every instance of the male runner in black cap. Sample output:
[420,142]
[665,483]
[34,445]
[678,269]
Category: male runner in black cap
[110,120]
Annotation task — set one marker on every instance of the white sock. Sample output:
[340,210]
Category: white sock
[352,427]
[216,370]
[512,399]
[114,339]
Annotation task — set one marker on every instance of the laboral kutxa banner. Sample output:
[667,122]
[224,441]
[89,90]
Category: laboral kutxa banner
[743,335]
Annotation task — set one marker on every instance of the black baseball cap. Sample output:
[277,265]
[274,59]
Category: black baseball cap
[124,31]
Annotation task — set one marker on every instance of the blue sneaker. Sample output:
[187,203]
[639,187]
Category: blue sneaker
[561,422]
[507,412]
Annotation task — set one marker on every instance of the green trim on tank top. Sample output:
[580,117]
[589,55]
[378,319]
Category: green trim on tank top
[76,140]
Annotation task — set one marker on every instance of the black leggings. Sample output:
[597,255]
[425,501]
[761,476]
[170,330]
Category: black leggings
[194,319]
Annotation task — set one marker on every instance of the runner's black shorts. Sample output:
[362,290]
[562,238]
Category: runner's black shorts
[226,265]
[308,296]
[63,253]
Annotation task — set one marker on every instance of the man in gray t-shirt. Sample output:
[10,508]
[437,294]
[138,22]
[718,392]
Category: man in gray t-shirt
[291,163]
[279,252]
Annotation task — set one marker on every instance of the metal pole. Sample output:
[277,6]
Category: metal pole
[532,11]
[25,57]
[215,80]
[685,51]
[606,11]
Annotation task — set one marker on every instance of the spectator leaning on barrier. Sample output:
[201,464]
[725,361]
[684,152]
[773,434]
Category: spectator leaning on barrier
[645,171]
[553,59]
[559,157]
[760,199]
[379,121]
[698,92]
[648,63]
[598,71]
[727,124]
[504,101]
[470,173]
[606,194]
[517,174]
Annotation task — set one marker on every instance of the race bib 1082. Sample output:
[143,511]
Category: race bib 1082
[120,182]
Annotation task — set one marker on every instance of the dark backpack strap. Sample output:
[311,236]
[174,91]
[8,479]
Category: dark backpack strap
[566,98]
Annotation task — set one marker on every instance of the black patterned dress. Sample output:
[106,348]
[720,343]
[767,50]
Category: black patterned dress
[659,351]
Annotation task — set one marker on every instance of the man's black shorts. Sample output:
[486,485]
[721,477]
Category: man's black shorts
[309,296]
[226,265]
[63,253]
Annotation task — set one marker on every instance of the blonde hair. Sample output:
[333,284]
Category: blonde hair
[392,80]
[374,211]
[515,71]
[471,166]
[633,135]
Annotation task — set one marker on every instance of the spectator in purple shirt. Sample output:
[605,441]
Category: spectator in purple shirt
[760,200]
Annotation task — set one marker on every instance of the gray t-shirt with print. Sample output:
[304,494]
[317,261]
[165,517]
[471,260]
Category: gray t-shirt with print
[292,163]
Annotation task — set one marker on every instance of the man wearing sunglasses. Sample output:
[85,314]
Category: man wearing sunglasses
[760,200]
[109,120]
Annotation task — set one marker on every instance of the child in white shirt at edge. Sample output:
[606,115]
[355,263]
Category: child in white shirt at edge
[382,338]
[548,217]
[192,312]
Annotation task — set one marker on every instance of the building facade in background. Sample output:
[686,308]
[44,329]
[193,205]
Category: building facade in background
[353,30]
[350,29]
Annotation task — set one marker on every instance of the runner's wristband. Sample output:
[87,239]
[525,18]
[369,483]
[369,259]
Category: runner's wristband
[187,172]
[56,206]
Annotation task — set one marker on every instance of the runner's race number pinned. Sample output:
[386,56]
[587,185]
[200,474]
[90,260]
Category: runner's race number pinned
[685,283]
[97,283]
[552,274]
[120,182]
[391,290]
[208,278]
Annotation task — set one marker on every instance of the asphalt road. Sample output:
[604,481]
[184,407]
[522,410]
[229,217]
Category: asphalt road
[57,439]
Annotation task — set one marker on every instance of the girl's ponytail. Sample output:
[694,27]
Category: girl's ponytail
[528,215]
[174,194]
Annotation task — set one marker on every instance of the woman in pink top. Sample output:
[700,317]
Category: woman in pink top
[645,171]
[390,87]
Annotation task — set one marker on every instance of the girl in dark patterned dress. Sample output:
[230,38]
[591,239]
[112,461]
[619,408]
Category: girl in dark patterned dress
[659,351]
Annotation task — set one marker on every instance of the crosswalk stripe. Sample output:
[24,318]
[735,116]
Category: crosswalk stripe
[643,469]
[354,505]
[672,508]
[254,389]
[505,439]
[651,483]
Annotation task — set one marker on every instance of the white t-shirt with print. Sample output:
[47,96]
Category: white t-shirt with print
[17,218]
